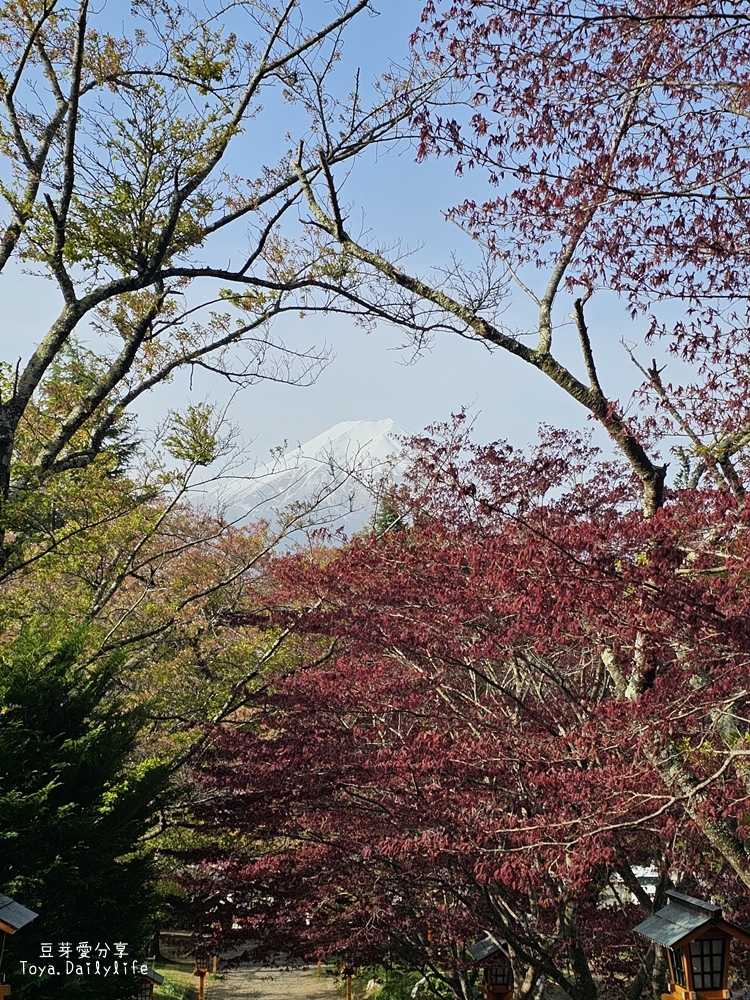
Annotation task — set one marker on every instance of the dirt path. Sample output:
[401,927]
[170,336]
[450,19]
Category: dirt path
[260,983]
[253,982]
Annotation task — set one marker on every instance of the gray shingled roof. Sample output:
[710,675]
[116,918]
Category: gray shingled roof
[682,917]
[671,924]
[13,916]
[485,947]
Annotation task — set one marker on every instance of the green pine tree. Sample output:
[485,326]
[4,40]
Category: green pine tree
[389,516]
[74,805]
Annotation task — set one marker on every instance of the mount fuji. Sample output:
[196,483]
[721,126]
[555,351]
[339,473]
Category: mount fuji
[331,480]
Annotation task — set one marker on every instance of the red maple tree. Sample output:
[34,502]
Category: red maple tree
[535,689]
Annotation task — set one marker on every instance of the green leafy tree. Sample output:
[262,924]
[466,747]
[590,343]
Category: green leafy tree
[117,190]
[76,801]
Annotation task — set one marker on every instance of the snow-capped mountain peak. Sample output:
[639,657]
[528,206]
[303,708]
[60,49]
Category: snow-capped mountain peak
[335,475]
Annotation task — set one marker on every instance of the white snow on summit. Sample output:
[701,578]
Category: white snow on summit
[338,471]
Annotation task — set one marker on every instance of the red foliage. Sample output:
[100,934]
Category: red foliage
[613,135]
[534,690]
[622,125]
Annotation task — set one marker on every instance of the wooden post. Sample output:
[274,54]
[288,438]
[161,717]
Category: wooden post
[200,986]
[349,994]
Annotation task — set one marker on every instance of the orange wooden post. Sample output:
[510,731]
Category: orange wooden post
[202,959]
[348,969]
